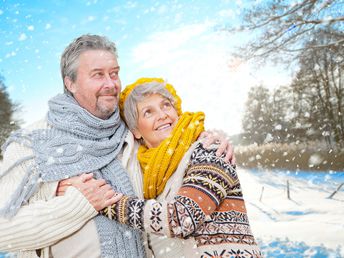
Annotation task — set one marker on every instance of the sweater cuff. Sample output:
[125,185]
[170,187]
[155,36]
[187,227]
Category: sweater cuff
[128,210]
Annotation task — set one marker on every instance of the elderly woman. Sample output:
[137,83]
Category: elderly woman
[193,203]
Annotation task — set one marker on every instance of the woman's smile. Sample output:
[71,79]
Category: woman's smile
[164,126]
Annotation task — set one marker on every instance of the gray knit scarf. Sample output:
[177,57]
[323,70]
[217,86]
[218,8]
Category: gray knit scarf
[76,142]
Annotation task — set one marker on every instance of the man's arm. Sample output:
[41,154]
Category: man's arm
[46,219]
[222,141]
[43,223]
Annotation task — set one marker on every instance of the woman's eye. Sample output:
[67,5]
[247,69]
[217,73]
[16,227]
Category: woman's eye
[147,113]
[167,104]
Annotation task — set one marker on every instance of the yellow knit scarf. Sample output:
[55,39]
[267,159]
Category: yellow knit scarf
[158,164]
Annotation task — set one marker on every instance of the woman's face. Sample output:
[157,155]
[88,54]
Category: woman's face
[156,119]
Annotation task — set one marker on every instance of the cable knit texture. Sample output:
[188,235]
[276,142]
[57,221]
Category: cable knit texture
[77,142]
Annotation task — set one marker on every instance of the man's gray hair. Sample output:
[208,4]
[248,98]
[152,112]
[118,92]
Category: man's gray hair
[130,111]
[70,56]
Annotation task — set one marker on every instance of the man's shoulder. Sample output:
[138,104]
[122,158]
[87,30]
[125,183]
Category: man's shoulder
[16,146]
[39,124]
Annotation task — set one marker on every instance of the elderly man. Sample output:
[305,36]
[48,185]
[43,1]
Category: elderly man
[81,135]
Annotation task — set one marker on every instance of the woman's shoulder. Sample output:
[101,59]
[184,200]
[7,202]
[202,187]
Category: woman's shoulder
[207,156]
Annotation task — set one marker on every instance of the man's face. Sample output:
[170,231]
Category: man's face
[97,85]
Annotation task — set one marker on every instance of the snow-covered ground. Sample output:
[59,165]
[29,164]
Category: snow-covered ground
[308,225]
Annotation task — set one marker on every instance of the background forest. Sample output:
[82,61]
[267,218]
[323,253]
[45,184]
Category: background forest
[299,125]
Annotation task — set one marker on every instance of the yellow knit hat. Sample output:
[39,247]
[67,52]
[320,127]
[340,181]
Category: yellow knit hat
[129,88]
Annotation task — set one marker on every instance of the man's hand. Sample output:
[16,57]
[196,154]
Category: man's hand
[97,191]
[220,138]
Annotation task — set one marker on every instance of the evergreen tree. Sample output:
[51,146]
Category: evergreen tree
[281,105]
[7,110]
[257,122]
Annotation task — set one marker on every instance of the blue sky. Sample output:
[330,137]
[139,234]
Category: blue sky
[175,40]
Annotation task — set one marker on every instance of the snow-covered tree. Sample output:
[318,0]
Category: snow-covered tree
[268,116]
[7,110]
[319,87]
[281,106]
[257,117]
[311,108]
[280,29]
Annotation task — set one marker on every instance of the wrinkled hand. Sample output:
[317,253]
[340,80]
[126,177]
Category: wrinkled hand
[220,138]
[96,191]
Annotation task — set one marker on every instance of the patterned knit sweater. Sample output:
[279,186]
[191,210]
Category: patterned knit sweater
[202,205]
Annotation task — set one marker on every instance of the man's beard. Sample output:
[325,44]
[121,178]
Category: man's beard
[105,110]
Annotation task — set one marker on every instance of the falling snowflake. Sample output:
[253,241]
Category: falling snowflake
[278,127]
[315,160]
[22,37]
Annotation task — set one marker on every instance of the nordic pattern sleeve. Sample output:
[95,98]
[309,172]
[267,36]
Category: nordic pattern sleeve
[206,184]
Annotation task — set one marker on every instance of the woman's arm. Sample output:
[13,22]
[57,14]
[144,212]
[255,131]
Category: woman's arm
[205,185]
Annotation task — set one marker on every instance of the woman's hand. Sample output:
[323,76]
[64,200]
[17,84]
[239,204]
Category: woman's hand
[96,191]
[220,138]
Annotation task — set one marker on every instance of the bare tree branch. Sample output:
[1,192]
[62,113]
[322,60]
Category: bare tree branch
[316,46]
[281,30]
[328,21]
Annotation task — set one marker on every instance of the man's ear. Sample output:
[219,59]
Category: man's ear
[137,134]
[69,84]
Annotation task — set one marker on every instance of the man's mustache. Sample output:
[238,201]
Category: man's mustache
[109,92]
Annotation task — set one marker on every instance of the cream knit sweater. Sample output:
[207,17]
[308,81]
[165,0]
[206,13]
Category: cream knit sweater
[46,219]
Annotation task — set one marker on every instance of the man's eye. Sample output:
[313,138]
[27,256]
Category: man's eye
[98,75]
[114,75]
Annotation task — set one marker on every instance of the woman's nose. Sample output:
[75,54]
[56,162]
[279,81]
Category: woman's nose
[162,114]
